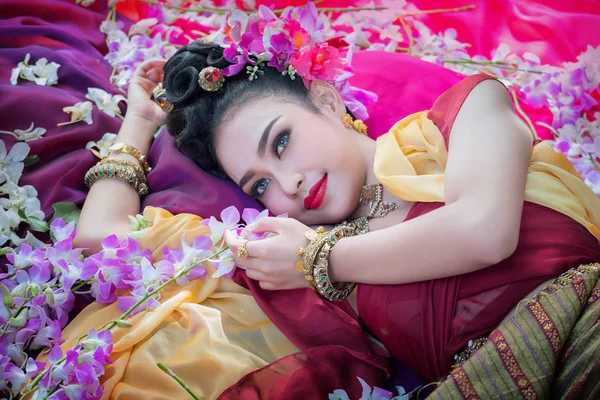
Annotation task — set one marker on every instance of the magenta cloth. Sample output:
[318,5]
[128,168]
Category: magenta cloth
[69,34]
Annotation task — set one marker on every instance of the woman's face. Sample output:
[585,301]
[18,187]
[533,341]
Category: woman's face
[293,160]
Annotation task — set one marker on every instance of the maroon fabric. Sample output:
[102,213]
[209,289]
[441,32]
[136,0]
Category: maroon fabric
[424,324]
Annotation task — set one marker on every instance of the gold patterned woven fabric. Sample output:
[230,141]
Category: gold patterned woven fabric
[549,348]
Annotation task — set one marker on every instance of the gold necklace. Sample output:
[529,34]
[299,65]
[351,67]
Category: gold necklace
[372,196]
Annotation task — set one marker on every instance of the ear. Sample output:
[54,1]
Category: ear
[327,98]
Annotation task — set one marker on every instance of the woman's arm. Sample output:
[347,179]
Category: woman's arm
[110,201]
[484,193]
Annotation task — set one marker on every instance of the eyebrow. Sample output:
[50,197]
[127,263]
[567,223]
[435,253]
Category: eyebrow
[262,144]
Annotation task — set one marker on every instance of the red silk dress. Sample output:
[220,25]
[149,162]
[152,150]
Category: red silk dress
[424,324]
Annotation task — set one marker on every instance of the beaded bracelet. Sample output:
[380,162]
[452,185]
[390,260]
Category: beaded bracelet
[316,263]
[124,170]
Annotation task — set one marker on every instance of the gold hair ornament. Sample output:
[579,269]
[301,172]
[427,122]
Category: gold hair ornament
[211,79]
[159,95]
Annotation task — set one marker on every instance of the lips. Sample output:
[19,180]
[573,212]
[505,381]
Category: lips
[316,194]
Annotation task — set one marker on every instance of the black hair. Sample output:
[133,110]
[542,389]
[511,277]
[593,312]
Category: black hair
[198,113]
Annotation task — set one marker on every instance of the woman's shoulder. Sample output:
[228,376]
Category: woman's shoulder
[445,109]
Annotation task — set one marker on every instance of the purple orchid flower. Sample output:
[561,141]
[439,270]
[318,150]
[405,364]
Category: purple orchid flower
[25,256]
[281,49]
[10,373]
[126,302]
[252,40]
[151,276]
[48,336]
[25,333]
[62,231]
[110,246]
[132,253]
[309,18]
[238,57]
[184,257]
[111,275]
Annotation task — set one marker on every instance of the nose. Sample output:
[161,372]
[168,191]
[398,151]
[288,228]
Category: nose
[291,183]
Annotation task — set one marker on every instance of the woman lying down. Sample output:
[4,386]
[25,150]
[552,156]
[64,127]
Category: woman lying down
[456,243]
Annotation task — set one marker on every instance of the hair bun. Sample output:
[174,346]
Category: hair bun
[181,71]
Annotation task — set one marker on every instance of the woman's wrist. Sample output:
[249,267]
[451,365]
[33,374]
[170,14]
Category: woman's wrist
[137,132]
[337,259]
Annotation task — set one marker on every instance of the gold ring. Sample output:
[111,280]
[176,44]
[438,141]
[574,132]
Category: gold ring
[242,252]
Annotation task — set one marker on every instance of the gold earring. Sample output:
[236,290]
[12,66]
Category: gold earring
[355,124]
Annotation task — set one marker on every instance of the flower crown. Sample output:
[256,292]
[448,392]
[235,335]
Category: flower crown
[293,43]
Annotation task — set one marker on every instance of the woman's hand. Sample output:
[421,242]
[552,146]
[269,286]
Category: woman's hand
[140,104]
[272,261]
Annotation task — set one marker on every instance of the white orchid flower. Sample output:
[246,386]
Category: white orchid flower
[11,163]
[23,70]
[31,240]
[27,135]
[230,218]
[42,73]
[101,148]
[142,27]
[46,74]
[105,101]
[81,111]
[225,264]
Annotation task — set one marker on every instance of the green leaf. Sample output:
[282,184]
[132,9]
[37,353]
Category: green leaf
[69,212]
[4,251]
[31,160]
[38,225]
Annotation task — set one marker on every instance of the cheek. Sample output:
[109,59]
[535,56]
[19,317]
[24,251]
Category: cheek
[278,203]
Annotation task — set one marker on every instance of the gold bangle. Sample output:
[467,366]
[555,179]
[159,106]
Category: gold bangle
[315,263]
[123,170]
[340,290]
[316,239]
[132,151]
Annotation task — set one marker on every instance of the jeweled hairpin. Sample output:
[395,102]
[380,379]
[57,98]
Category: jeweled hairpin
[211,79]
[159,95]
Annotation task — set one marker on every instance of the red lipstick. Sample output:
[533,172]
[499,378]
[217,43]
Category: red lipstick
[316,194]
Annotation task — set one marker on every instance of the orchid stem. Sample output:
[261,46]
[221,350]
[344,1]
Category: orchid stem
[21,307]
[495,64]
[69,122]
[411,39]
[179,380]
[440,11]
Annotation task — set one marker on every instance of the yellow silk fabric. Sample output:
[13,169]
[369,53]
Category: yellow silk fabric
[210,333]
[410,161]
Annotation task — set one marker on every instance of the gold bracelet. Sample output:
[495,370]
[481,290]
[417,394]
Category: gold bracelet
[126,171]
[309,253]
[132,151]
[316,263]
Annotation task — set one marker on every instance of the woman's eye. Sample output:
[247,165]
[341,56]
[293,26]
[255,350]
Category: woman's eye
[281,142]
[260,187]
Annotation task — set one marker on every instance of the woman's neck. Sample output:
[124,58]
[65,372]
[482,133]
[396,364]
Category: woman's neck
[369,147]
